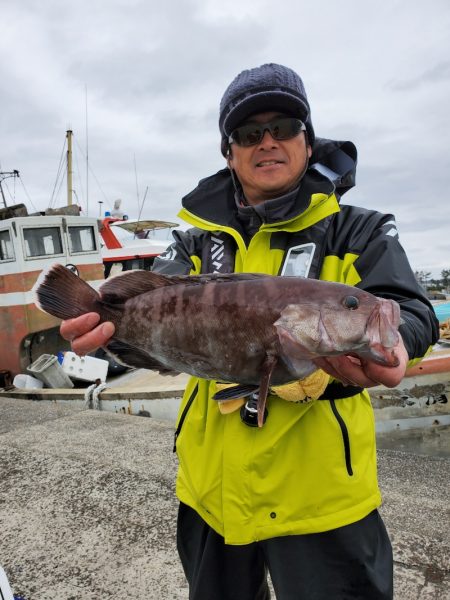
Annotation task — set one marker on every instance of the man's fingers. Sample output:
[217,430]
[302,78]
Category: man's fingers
[387,376]
[85,334]
[73,328]
[329,366]
[99,336]
[347,370]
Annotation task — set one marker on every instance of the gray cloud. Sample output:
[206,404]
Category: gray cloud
[436,74]
[155,73]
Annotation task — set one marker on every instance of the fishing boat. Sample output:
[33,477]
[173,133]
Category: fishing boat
[133,243]
[86,245]
[28,245]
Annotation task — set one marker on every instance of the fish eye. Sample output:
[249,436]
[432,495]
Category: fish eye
[351,302]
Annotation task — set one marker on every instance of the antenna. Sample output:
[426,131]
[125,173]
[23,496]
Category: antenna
[87,153]
[136,178]
[140,210]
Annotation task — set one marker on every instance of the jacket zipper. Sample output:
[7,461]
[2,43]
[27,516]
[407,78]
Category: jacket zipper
[183,416]
[345,437]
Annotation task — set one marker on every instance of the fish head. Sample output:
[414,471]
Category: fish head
[346,321]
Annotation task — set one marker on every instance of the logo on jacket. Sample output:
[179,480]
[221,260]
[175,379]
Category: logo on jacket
[392,231]
[217,252]
[169,254]
[298,260]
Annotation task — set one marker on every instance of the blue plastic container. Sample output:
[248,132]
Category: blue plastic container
[442,311]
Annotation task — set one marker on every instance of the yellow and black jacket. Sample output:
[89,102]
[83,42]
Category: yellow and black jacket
[312,467]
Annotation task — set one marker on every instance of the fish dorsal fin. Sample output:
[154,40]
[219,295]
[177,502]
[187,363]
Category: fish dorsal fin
[127,285]
[219,278]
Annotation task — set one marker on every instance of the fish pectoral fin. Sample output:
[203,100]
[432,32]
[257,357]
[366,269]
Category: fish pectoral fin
[237,391]
[296,358]
[133,357]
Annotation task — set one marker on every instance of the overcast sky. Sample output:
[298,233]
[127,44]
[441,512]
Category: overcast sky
[151,75]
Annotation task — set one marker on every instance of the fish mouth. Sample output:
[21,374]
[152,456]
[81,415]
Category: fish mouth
[382,331]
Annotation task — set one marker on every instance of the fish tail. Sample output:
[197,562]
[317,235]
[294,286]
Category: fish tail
[63,294]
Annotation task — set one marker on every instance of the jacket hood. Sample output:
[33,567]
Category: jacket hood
[337,161]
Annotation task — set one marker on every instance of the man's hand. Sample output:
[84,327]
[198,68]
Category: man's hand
[85,334]
[366,373]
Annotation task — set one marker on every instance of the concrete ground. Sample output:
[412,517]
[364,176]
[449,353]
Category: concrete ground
[88,511]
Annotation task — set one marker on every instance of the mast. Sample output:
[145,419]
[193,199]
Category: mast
[69,134]
[5,175]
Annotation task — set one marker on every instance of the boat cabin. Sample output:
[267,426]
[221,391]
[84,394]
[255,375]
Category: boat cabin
[28,245]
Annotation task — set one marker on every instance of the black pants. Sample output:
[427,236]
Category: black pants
[352,562]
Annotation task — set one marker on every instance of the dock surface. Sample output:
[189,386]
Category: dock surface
[88,509]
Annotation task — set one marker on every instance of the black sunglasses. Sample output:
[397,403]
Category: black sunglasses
[281,128]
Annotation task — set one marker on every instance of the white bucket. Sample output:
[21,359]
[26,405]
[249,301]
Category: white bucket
[85,368]
[23,381]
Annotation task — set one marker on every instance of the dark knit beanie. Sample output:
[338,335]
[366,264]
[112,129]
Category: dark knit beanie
[266,88]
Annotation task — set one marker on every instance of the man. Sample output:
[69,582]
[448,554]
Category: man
[299,496]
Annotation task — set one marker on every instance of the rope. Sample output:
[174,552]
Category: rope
[27,195]
[88,395]
[95,177]
[58,173]
[91,395]
[95,396]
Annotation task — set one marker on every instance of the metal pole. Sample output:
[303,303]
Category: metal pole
[69,167]
[3,195]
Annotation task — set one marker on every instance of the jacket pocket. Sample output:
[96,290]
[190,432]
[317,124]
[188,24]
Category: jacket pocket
[345,437]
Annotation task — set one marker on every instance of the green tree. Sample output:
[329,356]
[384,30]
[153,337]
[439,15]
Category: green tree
[445,274]
[423,278]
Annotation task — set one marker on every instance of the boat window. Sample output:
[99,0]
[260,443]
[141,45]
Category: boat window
[82,239]
[6,247]
[42,241]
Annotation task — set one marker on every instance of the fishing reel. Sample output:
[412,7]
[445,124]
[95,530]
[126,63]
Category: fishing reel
[249,411]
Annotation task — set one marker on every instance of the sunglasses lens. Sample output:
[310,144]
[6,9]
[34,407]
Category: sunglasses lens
[283,128]
[286,128]
[247,135]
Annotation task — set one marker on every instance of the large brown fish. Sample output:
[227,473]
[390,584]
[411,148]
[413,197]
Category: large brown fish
[252,329]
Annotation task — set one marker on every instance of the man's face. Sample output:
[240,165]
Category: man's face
[272,167]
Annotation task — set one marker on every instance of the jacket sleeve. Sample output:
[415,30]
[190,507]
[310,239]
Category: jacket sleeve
[385,271]
[181,257]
